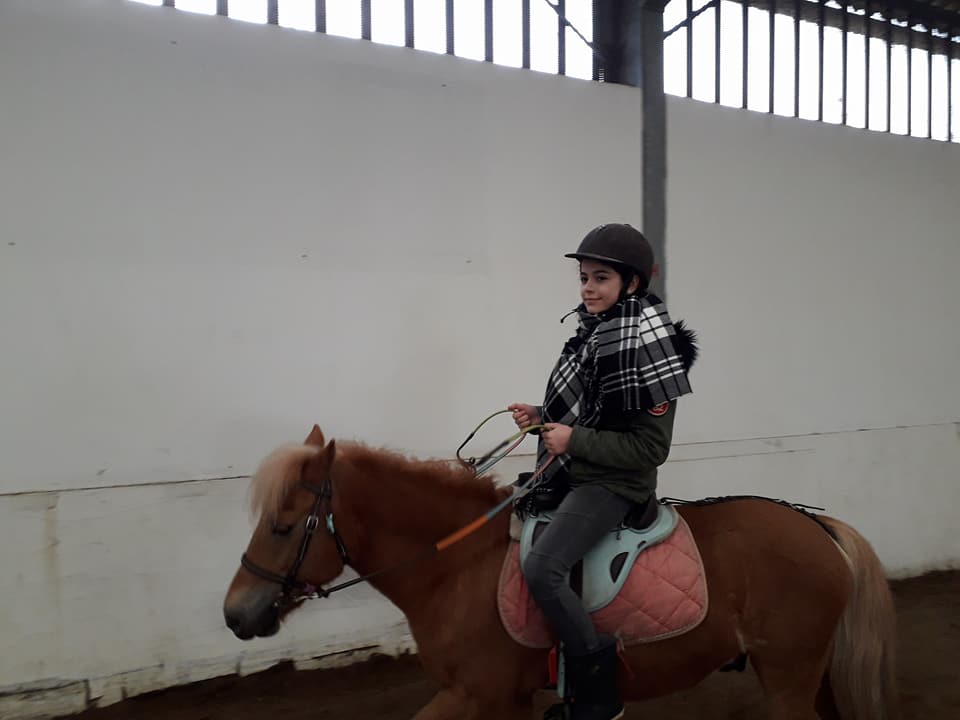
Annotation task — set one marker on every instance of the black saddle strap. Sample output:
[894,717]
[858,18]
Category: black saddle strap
[797,507]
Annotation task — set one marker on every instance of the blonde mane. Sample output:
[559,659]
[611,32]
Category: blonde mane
[277,474]
[281,471]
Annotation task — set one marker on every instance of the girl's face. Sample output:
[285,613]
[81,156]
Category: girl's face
[601,286]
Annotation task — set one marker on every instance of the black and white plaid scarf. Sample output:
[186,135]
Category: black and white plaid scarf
[620,361]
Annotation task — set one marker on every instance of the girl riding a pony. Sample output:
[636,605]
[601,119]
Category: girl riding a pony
[608,412]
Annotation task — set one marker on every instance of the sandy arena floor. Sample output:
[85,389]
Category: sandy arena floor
[388,689]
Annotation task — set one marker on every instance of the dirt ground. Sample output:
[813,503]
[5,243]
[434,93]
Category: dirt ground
[387,689]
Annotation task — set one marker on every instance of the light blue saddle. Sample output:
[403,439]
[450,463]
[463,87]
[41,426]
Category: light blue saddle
[607,565]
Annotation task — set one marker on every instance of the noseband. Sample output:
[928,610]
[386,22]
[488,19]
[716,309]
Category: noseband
[292,588]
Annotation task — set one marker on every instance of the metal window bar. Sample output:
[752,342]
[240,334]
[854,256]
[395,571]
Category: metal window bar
[716,51]
[488,30]
[690,18]
[223,7]
[273,12]
[889,19]
[525,32]
[409,36]
[772,46]
[746,57]
[169,3]
[929,80]
[561,37]
[845,30]
[867,25]
[909,75]
[950,48]
[366,20]
[596,63]
[796,57]
[451,46]
[821,4]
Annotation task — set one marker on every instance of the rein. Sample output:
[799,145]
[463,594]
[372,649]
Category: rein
[295,591]
[490,459]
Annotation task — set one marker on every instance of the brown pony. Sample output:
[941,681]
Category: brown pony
[812,613]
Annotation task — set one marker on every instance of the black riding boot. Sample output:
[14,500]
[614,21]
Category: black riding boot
[591,688]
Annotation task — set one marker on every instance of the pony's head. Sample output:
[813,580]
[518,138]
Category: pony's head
[291,548]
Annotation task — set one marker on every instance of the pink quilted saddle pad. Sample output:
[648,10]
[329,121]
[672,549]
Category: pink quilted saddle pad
[665,595]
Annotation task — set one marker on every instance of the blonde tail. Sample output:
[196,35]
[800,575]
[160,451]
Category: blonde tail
[863,670]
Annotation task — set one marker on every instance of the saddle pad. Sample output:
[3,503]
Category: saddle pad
[665,595]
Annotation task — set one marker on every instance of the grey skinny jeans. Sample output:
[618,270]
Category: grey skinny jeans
[586,514]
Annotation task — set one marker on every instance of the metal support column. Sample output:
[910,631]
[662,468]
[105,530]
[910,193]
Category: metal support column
[628,35]
[654,137]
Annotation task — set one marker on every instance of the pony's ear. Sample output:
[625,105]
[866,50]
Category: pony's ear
[315,437]
[327,454]
[321,463]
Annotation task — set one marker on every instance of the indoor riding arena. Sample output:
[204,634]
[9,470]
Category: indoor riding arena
[265,264]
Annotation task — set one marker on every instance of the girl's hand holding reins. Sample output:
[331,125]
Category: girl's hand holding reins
[524,415]
[556,438]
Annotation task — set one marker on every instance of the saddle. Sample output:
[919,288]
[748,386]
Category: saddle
[643,582]
[601,574]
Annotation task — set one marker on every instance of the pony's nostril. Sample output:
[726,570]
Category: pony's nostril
[232,621]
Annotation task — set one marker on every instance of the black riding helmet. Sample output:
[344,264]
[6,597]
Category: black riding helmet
[618,244]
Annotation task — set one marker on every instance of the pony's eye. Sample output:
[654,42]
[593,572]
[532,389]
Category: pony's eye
[281,529]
